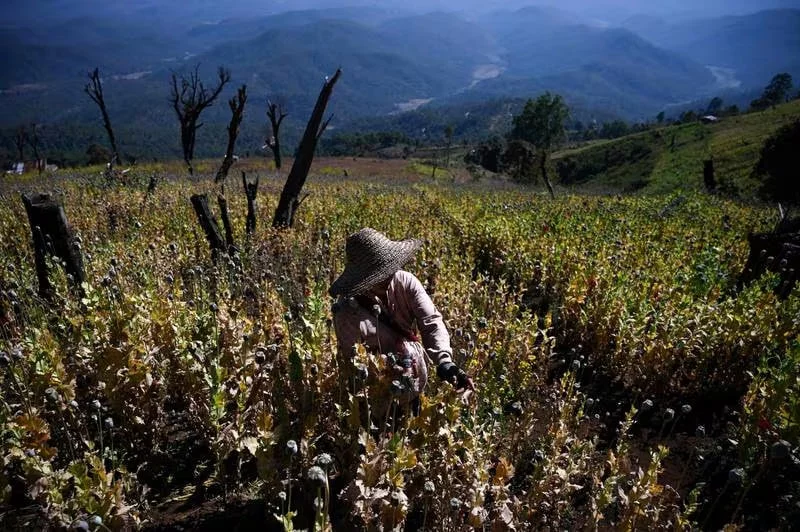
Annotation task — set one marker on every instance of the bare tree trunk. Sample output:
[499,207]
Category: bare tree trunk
[95,91]
[545,176]
[34,140]
[20,139]
[226,223]
[209,225]
[708,175]
[276,116]
[53,236]
[237,114]
[289,200]
[251,191]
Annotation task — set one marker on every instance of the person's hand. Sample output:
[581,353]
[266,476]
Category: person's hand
[449,372]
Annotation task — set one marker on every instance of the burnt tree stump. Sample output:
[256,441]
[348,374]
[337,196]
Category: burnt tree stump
[210,226]
[777,252]
[226,223]
[251,191]
[290,200]
[709,179]
[53,236]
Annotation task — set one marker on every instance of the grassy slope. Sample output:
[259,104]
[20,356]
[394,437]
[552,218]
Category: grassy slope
[671,158]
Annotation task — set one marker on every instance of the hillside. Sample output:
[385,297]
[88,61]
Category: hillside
[754,46]
[452,69]
[671,158]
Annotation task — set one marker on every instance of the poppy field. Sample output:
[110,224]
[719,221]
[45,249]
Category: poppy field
[624,381]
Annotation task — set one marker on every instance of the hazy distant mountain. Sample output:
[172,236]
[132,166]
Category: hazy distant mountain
[392,60]
[755,46]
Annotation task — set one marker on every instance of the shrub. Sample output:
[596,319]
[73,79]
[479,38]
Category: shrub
[778,166]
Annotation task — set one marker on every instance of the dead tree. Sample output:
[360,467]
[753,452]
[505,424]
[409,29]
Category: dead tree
[189,99]
[20,140]
[237,114]
[226,223]
[209,225]
[95,91]
[52,236]
[276,115]
[34,142]
[709,179]
[251,191]
[290,196]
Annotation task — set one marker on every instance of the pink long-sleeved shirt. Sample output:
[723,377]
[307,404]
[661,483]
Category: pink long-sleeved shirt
[409,305]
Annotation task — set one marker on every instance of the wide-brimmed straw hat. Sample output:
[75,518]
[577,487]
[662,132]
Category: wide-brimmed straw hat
[371,257]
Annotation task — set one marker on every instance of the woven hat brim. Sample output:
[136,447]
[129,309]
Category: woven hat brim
[356,278]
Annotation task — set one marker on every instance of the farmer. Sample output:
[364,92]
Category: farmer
[381,306]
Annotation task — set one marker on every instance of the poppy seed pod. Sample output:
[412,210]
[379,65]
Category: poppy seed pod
[323,460]
[736,476]
[317,475]
[397,388]
[291,447]
[780,450]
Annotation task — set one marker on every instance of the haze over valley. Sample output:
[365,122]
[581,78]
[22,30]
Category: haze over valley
[614,59]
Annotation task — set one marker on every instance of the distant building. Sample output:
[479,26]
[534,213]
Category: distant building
[709,119]
[21,167]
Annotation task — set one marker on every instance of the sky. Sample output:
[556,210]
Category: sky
[610,10]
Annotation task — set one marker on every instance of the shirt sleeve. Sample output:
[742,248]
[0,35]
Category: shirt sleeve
[435,337]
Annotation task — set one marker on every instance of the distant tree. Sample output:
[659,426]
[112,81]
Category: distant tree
[33,140]
[776,92]
[714,106]
[487,154]
[542,125]
[758,104]
[276,115]
[20,140]
[95,91]
[519,160]
[778,165]
[97,154]
[189,99]
[688,116]
[614,129]
[660,117]
[778,89]
[448,135]
[732,110]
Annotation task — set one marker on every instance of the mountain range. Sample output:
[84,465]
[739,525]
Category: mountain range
[393,61]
